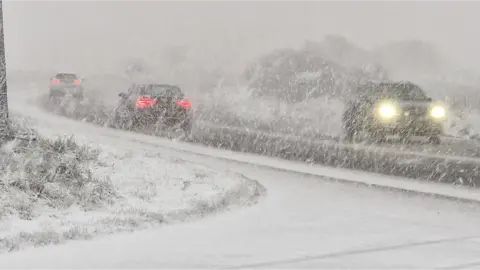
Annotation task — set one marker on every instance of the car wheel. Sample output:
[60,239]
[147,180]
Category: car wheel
[53,94]
[78,95]
[138,123]
[53,98]
[121,119]
[188,132]
[187,128]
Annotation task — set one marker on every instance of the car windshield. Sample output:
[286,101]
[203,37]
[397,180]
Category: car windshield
[400,91]
[159,90]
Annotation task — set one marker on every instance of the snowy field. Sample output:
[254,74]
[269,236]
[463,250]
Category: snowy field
[108,190]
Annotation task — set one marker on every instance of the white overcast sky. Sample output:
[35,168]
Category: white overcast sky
[94,34]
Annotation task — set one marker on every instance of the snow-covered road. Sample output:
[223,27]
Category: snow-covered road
[304,222]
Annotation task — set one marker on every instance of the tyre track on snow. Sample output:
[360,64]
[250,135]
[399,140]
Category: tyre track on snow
[354,252]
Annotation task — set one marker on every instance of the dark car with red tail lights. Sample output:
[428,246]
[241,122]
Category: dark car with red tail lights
[63,84]
[154,107]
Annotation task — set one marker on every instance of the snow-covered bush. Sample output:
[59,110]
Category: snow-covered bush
[37,171]
[297,75]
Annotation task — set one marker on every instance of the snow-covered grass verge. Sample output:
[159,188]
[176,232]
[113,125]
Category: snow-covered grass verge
[55,190]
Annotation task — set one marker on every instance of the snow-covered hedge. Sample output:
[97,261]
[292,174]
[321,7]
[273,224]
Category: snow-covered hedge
[54,172]
[407,164]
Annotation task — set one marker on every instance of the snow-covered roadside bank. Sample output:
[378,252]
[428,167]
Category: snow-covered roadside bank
[135,189]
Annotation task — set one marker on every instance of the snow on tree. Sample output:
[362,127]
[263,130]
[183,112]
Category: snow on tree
[298,75]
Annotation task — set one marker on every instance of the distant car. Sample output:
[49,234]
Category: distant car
[393,108]
[154,106]
[63,84]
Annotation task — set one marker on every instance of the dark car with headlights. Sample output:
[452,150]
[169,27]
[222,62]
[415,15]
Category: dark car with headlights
[154,107]
[381,109]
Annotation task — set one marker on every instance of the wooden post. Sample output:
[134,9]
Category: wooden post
[4,116]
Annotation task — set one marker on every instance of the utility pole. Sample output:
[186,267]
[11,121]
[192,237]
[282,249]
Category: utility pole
[4,119]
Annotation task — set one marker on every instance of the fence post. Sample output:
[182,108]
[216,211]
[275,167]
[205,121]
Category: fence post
[4,115]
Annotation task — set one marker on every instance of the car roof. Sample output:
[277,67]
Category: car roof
[66,73]
[373,85]
[366,89]
[388,83]
[154,84]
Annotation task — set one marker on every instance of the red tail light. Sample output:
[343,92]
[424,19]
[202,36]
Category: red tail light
[143,103]
[185,103]
[55,81]
[77,82]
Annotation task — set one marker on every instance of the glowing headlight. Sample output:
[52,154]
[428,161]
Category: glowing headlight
[387,111]
[437,112]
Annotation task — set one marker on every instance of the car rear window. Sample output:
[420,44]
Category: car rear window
[159,90]
[66,76]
